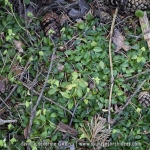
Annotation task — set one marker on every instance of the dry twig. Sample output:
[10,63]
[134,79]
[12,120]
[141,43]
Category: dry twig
[111,67]
[145,28]
[33,111]
[7,121]
[48,99]
[15,87]
[144,72]
[129,100]
[95,131]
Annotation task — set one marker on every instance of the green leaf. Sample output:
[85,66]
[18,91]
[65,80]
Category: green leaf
[119,92]
[79,93]
[44,134]
[82,136]
[27,104]
[138,136]
[74,75]
[54,138]
[82,83]
[69,87]
[102,65]
[13,140]
[41,53]
[100,105]
[52,91]
[53,115]
[93,43]
[114,131]
[45,48]
[27,2]
[38,112]
[37,121]
[96,80]
[70,104]
[138,110]
[89,17]
[143,60]
[86,101]
[135,47]
[2,143]
[134,56]
[30,14]
[139,59]
[77,58]
[44,111]
[81,25]
[43,118]
[97,49]
[143,49]
[128,124]
[10,126]
[139,13]
[65,94]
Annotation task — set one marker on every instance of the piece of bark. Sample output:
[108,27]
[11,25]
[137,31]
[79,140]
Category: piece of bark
[7,121]
[145,28]
[66,128]
[118,40]
[2,87]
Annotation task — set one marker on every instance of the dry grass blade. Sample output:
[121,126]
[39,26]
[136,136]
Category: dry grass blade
[96,131]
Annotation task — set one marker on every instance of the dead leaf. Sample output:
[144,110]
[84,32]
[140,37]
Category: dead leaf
[2,36]
[71,1]
[16,69]
[25,132]
[65,128]
[60,67]
[118,40]
[2,86]
[84,7]
[18,46]
[74,13]
[91,85]
[63,19]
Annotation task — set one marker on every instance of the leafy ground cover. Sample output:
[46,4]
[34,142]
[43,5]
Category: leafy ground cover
[78,86]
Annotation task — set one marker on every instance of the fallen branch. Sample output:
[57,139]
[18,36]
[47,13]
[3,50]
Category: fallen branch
[14,88]
[48,99]
[7,121]
[144,22]
[33,111]
[128,101]
[144,72]
[111,67]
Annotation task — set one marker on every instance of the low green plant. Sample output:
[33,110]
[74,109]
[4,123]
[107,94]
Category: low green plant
[79,81]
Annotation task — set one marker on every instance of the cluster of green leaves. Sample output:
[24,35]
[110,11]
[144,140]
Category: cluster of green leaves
[84,80]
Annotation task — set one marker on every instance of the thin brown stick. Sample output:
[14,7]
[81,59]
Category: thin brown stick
[111,67]
[128,101]
[144,22]
[73,114]
[33,111]
[7,121]
[5,103]
[48,99]
[144,72]
[14,88]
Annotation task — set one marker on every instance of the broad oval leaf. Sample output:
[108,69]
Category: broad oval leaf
[69,87]
[70,105]
[79,93]
[52,91]
[97,49]
[65,94]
